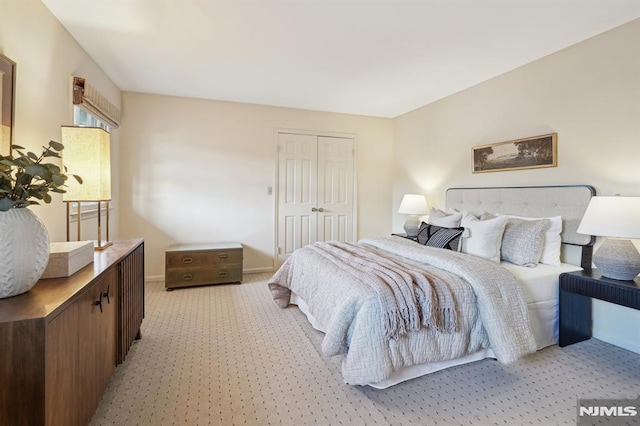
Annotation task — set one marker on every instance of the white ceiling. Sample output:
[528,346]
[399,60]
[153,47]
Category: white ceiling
[371,57]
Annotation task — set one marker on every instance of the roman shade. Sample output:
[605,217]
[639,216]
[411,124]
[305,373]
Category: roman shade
[88,98]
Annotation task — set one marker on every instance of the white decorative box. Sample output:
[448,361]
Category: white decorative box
[68,257]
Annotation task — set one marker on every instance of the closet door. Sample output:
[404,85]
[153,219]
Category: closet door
[315,191]
[335,189]
[297,192]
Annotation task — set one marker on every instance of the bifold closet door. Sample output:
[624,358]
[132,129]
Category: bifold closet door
[315,191]
[335,189]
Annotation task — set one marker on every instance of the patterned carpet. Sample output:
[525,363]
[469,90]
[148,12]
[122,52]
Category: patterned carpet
[227,355]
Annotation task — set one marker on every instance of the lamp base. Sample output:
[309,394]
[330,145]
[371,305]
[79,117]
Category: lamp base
[101,245]
[412,226]
[617,259]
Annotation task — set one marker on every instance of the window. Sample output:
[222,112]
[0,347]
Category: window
[86,119]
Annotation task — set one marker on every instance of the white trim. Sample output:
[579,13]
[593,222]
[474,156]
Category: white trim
[276,160]
[258,270]
[153,279]
[90,212]
[314,133]
[615,324]
[160,278]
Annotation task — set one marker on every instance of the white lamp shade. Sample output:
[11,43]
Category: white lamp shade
[87,153]
[414,204]
[612,217]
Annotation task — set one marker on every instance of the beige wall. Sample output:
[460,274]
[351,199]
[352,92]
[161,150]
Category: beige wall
[196,171]
[589,94]
[46,58]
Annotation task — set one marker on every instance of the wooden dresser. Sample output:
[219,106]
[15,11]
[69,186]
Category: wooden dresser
[201,264]
[61,341]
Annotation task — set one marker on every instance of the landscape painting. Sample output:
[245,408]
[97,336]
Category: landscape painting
[527,153]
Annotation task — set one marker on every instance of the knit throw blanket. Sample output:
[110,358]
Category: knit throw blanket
[410,297]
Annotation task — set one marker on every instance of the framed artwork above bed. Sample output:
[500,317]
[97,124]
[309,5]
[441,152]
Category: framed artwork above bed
[526,153]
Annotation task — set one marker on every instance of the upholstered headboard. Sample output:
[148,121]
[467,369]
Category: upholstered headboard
[570,202]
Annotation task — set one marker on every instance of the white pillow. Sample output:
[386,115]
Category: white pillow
[484,237]
[552,239]
[439,218]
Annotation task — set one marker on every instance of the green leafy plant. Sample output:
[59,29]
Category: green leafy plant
[26,179]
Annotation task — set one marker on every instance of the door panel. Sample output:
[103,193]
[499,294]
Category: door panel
[297,192]
[315,191]
[62,379]
[97,342]
[335,189]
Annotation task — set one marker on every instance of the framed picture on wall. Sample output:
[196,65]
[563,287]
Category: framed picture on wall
[527,153]
[7,79]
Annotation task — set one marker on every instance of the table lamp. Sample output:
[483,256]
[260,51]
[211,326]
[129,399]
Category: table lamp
[87,154]
[619,219]
[413,205]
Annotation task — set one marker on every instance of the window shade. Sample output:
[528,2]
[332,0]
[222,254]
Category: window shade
[87,97]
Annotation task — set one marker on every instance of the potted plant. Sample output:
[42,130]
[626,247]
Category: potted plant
[26,179]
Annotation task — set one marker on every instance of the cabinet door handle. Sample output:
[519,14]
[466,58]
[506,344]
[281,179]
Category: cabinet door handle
[107,294]
[99,302]
[223,256]
[187,260]
[187,277]
[320,209]
[313,209]
[223,273]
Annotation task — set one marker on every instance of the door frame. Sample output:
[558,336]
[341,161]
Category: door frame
[276,195]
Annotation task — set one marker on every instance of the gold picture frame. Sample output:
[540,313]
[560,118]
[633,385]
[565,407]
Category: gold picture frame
[7,85]
[520,154]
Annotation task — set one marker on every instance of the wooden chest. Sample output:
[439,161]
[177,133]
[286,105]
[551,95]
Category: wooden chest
[202,264]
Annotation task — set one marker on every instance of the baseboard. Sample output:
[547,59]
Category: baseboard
[160,278]
[620,342]
[154,278]
[617,325]
[257,270]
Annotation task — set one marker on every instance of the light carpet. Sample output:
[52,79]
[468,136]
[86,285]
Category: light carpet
[227,355]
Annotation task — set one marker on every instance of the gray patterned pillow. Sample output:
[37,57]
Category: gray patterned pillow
[523,240]
[439,236]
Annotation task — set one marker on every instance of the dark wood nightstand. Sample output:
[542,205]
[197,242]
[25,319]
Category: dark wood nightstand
[403,235]
[576,291]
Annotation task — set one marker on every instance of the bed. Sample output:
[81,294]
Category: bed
[463,307]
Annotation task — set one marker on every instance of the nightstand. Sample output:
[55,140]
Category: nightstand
[576,291]
[403,235]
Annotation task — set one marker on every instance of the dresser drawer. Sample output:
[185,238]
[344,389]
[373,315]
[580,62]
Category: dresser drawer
[184,277]
[196,259]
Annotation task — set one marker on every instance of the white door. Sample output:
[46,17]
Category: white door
[335,189]
[315,191]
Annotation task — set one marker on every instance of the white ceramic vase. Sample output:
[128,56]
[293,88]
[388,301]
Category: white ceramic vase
[24,251]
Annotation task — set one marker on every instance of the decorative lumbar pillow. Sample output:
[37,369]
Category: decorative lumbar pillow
[523,240]
[552,239]
[438,236]
[484,236]
[439,218]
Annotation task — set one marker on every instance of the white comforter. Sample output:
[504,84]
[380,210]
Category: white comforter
[490,310]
